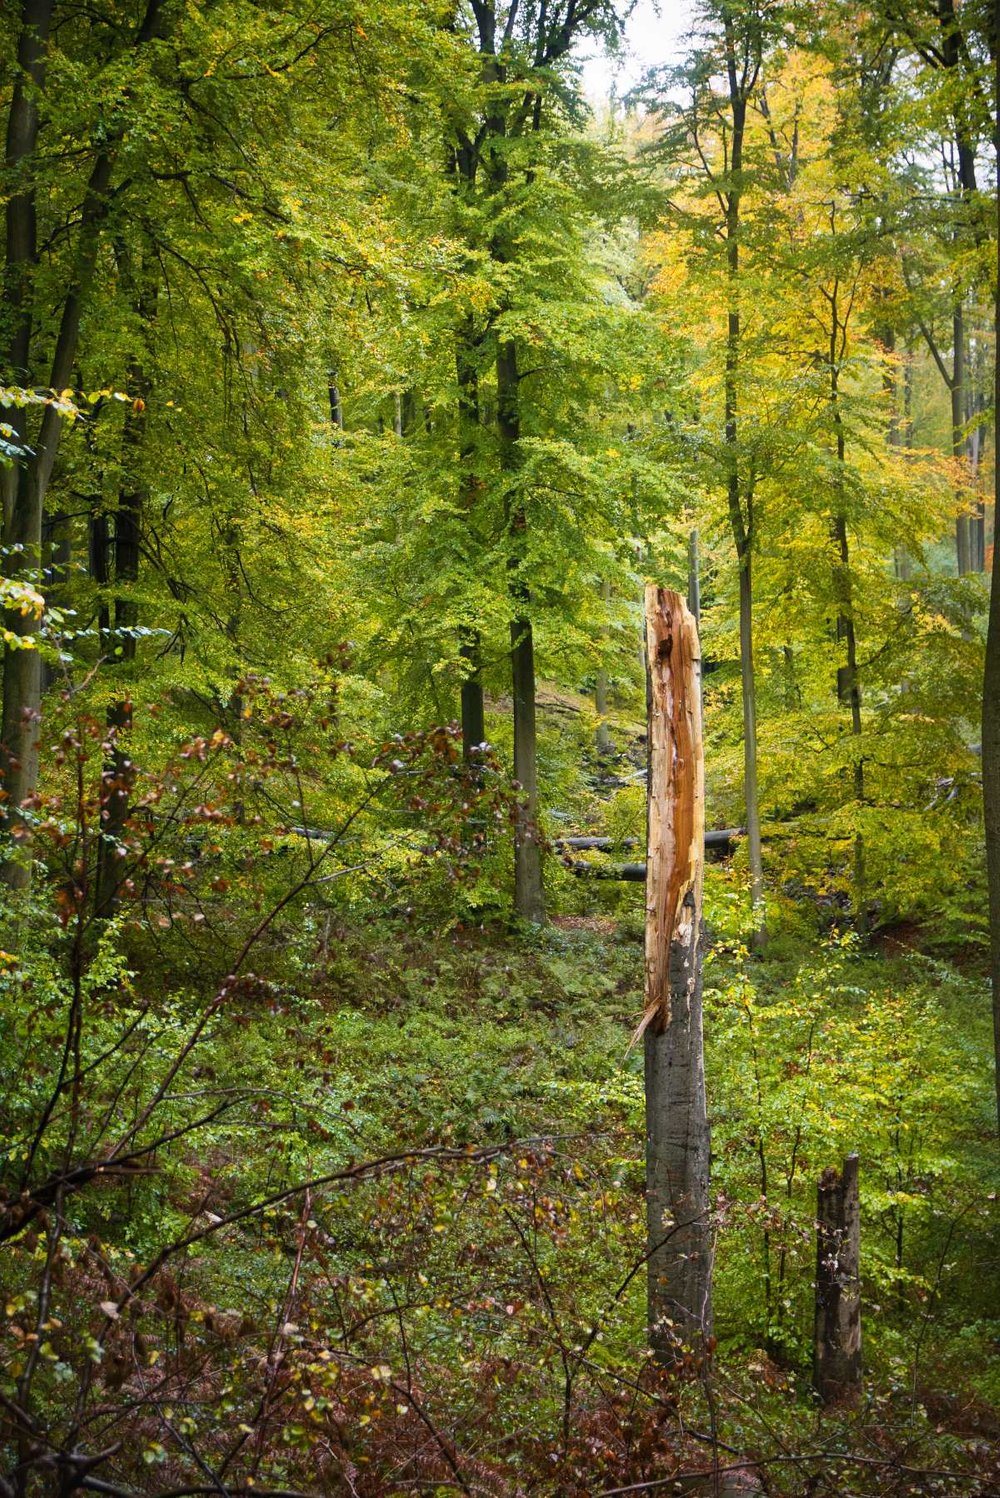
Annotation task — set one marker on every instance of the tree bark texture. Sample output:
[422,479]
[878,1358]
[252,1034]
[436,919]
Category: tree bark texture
[679,1239]
[991,700]
[837,1352]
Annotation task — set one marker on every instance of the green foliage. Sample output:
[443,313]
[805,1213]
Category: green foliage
[314,1174]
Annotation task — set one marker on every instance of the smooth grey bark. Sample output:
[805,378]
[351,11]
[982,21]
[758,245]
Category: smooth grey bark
[991,684]
[603,735]
[602,738]
[694,578]
[677,1161]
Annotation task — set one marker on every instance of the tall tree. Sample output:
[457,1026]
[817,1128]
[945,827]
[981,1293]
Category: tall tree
[707,140]
[520,47]
[991,675]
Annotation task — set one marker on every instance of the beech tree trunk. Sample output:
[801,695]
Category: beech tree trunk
[848,678]
[740,495]
[959,445]
[118,776]
[473,707]
[336,405]
[991,692]
[603,735]
[679,1238]
[22,672]
[508,114]
[473,712]
[529,892]
[694,578]
[25,501]
[837,1352]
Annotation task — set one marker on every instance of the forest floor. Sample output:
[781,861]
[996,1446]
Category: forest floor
[510,1291]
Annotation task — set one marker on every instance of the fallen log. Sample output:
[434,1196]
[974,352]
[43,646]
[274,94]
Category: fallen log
[595,843]
[630,873]
[718,843]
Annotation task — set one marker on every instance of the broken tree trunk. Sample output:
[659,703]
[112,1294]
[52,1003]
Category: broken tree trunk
[837,1357]
[679,1241]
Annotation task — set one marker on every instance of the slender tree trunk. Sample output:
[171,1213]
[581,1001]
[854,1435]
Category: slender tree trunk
[119,771]
[959,446]
[473,714]
[740,503]
[975,441]
[965,149]
[507,114]
[679,1238]
[333,396]
[890,385]
[529,894]
[603,736]
[473,707]
[751,788]
[904,438]
[991,677]
[22,672]
[20,249]
[848,681]
[57,563]
[22,676]
[694,578]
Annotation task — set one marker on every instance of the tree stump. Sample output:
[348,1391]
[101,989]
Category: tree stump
[837,1356]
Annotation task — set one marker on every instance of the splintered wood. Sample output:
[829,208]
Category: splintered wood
[675,860]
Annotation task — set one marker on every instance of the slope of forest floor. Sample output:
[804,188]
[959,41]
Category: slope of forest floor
[472,1318]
